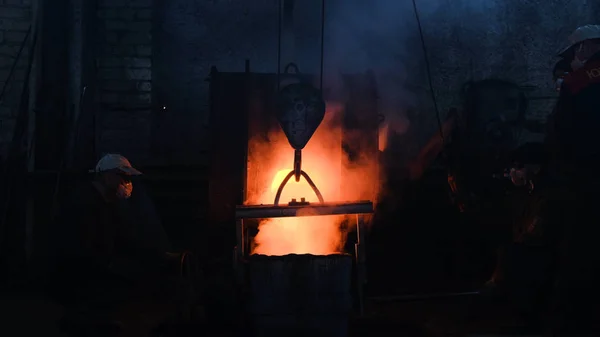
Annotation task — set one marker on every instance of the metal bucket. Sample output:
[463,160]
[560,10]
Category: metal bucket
[300,295]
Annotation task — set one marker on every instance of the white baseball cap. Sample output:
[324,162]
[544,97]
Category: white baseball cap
[113,161]
[583,33]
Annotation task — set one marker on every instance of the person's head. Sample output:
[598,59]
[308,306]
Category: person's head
[583,44]
[560,70]
[114,173]
[584,51]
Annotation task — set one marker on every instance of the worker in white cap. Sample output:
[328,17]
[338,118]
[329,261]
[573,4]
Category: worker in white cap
[573,172]
[91,226]
[102,263]
[114,174]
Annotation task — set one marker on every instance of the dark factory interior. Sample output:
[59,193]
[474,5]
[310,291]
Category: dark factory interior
[339,168]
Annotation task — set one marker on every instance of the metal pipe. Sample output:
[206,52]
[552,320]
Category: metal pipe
[272,211]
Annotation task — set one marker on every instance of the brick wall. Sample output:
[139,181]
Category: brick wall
[15,18]
[124,73]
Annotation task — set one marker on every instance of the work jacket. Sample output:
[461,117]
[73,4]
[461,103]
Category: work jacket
[573,138]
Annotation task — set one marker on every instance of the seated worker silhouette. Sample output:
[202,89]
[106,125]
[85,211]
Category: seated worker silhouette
[105,271]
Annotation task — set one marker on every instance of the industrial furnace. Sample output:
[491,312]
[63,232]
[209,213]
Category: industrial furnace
[294,176]
[295,198]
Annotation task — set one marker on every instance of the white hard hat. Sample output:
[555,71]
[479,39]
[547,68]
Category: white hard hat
[113,161]
[583,33]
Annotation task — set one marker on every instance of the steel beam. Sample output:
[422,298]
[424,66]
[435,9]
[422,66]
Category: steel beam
[317,209]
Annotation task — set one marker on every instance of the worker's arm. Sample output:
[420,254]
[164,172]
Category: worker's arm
[83,248]
[559,136]
[133,261]
[90,249]
[432,149]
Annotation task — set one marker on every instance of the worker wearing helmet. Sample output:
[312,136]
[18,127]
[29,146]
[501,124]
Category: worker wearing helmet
[576,118]
[583,46]
[573,169]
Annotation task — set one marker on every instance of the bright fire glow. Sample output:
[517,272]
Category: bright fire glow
[271,160]
[384,135]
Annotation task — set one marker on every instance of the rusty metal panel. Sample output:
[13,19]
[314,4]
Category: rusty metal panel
[229,143]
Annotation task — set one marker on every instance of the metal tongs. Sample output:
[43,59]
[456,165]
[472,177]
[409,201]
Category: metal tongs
[297,172]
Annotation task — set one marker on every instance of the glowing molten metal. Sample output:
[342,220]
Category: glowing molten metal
[269,161]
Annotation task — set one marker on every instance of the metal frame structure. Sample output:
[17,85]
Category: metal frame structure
[359,209]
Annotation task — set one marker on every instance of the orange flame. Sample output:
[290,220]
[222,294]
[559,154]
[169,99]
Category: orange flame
[268,164]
